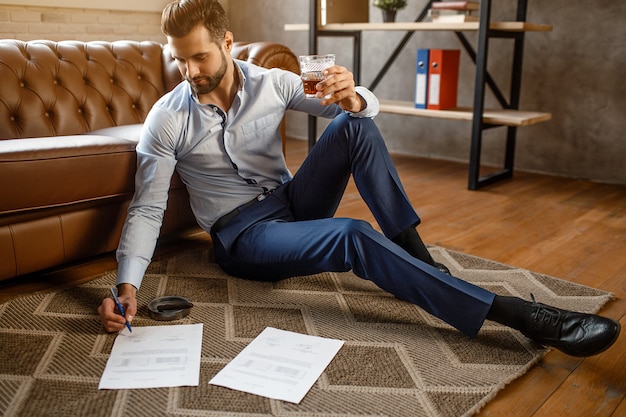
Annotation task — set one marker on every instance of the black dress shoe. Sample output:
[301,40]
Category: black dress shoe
[442,268]
[576,334]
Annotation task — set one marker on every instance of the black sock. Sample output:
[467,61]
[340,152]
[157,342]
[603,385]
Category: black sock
[410,241]
[509,311]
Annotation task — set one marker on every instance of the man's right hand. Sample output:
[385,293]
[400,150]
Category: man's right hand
[110,316]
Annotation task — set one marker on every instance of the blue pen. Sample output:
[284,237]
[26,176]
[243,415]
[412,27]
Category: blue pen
[120,308]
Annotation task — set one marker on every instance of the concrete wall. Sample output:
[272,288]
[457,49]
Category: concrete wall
[575,72]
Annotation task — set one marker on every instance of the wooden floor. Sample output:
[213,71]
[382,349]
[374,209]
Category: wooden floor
[570,229]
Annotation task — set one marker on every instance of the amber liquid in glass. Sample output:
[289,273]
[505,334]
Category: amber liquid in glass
[309,81]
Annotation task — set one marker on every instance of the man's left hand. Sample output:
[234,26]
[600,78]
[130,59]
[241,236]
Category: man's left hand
[339,84]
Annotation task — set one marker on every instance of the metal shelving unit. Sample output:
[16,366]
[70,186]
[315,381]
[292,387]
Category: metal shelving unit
[509,116]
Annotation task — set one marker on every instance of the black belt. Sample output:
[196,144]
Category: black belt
[223,221]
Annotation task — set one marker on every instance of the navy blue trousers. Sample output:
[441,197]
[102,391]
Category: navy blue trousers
[293,232]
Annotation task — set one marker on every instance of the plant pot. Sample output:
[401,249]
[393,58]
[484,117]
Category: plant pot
[389,15]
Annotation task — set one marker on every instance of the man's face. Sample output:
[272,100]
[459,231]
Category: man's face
[201,61]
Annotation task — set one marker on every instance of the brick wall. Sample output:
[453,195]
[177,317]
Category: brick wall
[58,23]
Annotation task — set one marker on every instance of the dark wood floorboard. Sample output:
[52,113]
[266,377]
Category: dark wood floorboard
[567,228]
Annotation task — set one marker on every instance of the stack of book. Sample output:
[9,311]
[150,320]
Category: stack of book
[454,11]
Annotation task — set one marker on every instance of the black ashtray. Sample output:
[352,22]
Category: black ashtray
[169,308]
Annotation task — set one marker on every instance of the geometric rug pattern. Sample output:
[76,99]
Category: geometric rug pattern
[397,360]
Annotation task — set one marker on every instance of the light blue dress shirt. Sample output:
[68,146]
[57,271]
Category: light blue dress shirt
[224,159]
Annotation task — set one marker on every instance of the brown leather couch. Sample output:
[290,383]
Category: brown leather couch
[70,116]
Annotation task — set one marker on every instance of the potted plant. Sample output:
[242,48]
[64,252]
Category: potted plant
[390,8]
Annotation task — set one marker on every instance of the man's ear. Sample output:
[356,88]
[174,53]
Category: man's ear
[228,41]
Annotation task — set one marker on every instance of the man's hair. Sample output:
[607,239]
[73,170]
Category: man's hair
[181,16]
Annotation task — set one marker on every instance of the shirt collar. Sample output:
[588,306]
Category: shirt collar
[242,76]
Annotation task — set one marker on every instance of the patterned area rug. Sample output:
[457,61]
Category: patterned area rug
[397,360]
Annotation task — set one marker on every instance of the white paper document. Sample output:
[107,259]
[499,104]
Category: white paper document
[279,364]
[153,357]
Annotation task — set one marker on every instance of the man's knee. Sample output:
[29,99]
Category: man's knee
[352,229]
[356,131]
[346,122]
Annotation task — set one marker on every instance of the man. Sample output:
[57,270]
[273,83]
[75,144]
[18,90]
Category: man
[220,130]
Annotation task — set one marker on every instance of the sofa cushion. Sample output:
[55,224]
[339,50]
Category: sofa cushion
[130,132]
[41,173]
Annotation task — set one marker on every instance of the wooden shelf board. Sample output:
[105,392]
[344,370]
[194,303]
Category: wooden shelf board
[497,117]
[419,26]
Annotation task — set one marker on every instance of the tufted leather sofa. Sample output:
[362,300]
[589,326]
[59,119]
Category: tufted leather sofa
[70,117]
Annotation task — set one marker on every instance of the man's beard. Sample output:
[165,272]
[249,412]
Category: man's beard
[212,81]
